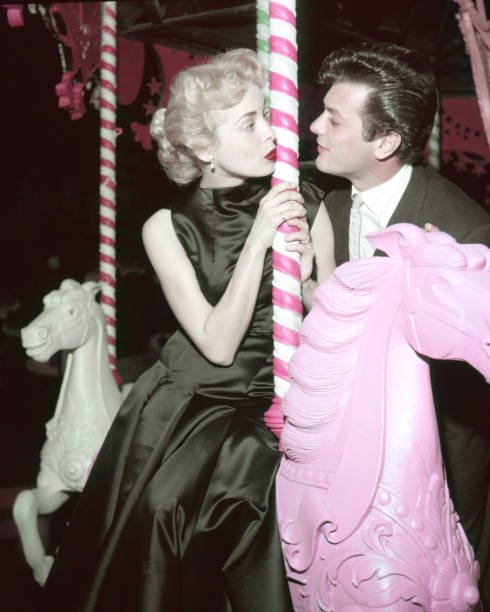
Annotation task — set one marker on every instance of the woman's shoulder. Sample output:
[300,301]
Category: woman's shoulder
[157,226]
[172,199]
[158,219]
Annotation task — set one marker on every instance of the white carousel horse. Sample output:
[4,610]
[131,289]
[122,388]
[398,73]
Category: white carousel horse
[365,516]
[89,398]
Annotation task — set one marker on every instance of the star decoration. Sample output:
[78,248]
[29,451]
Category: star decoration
[446,157]
[149,107]
[141,133]
[460,164]
[479,170]
[155,86]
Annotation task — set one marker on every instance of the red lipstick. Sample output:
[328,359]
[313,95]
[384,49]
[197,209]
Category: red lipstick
[271,155]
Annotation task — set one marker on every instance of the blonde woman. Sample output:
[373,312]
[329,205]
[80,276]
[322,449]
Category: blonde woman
[179,510]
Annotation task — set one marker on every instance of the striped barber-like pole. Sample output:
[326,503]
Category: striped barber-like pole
[108,135]
[286,292]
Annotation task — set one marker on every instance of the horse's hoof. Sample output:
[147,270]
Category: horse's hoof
[42,572]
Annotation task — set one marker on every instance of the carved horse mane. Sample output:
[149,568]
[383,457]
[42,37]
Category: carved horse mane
[330,383]
[347,298]
[364,511]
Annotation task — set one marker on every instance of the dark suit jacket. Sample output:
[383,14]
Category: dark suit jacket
[428,198]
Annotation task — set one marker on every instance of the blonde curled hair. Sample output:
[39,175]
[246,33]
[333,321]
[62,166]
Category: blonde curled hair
[189,122]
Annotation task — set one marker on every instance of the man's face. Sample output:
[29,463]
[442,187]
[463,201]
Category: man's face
[342,150]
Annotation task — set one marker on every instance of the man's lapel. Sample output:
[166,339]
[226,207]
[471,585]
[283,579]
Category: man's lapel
[342,223]
[409,209]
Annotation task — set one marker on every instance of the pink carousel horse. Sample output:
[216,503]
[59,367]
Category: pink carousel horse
[89,398]
[365,516]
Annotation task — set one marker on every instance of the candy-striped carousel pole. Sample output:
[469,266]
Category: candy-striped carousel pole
[286,290]
[434,152]
[108,134]
[263,47]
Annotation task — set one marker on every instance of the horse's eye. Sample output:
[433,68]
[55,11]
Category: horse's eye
[440,287]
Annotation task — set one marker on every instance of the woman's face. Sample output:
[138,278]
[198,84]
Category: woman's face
[245,143]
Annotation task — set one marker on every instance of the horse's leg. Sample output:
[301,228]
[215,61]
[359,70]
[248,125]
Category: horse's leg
[28,504]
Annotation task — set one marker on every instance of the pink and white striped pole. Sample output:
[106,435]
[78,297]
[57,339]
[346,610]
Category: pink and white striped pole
[108,134]
[263,49]
[286,289]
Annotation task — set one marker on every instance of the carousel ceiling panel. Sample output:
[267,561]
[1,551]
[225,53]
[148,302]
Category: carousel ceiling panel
[211,26]
[216,25]
[195,25]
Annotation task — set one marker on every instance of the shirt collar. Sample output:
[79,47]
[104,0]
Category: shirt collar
[383,199]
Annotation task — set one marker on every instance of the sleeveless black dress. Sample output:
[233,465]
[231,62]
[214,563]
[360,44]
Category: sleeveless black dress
[178,513]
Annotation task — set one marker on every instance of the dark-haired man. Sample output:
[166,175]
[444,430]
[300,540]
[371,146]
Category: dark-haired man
[377,117]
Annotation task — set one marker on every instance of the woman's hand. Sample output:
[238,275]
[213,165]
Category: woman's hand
[282,203]
[300,242]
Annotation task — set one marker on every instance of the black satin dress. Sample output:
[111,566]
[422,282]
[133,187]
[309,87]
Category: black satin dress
[179,511]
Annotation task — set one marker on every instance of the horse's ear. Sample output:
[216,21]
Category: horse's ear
[92,287]
[477,255]
[398,240]
[69,283]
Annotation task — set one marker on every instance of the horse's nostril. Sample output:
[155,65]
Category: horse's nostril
[41,333]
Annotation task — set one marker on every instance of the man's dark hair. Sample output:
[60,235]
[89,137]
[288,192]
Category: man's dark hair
[402,96]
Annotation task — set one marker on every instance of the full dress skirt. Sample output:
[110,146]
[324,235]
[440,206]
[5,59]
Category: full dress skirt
[179,513]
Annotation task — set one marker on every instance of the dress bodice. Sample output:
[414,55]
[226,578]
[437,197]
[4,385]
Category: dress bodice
[212,226]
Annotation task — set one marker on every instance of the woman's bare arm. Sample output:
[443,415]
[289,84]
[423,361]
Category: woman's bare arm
[217,331]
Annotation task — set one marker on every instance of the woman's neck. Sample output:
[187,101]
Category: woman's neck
[210,182]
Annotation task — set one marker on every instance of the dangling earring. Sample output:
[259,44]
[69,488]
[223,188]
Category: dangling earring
[212,165]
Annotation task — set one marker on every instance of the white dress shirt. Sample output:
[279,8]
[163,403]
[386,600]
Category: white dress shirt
[378,204]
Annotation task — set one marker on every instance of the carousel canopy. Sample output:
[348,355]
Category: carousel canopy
[208,26]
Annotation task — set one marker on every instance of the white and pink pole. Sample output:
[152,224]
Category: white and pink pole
[434,145]
[263,48]
[108,135]
[286,289]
